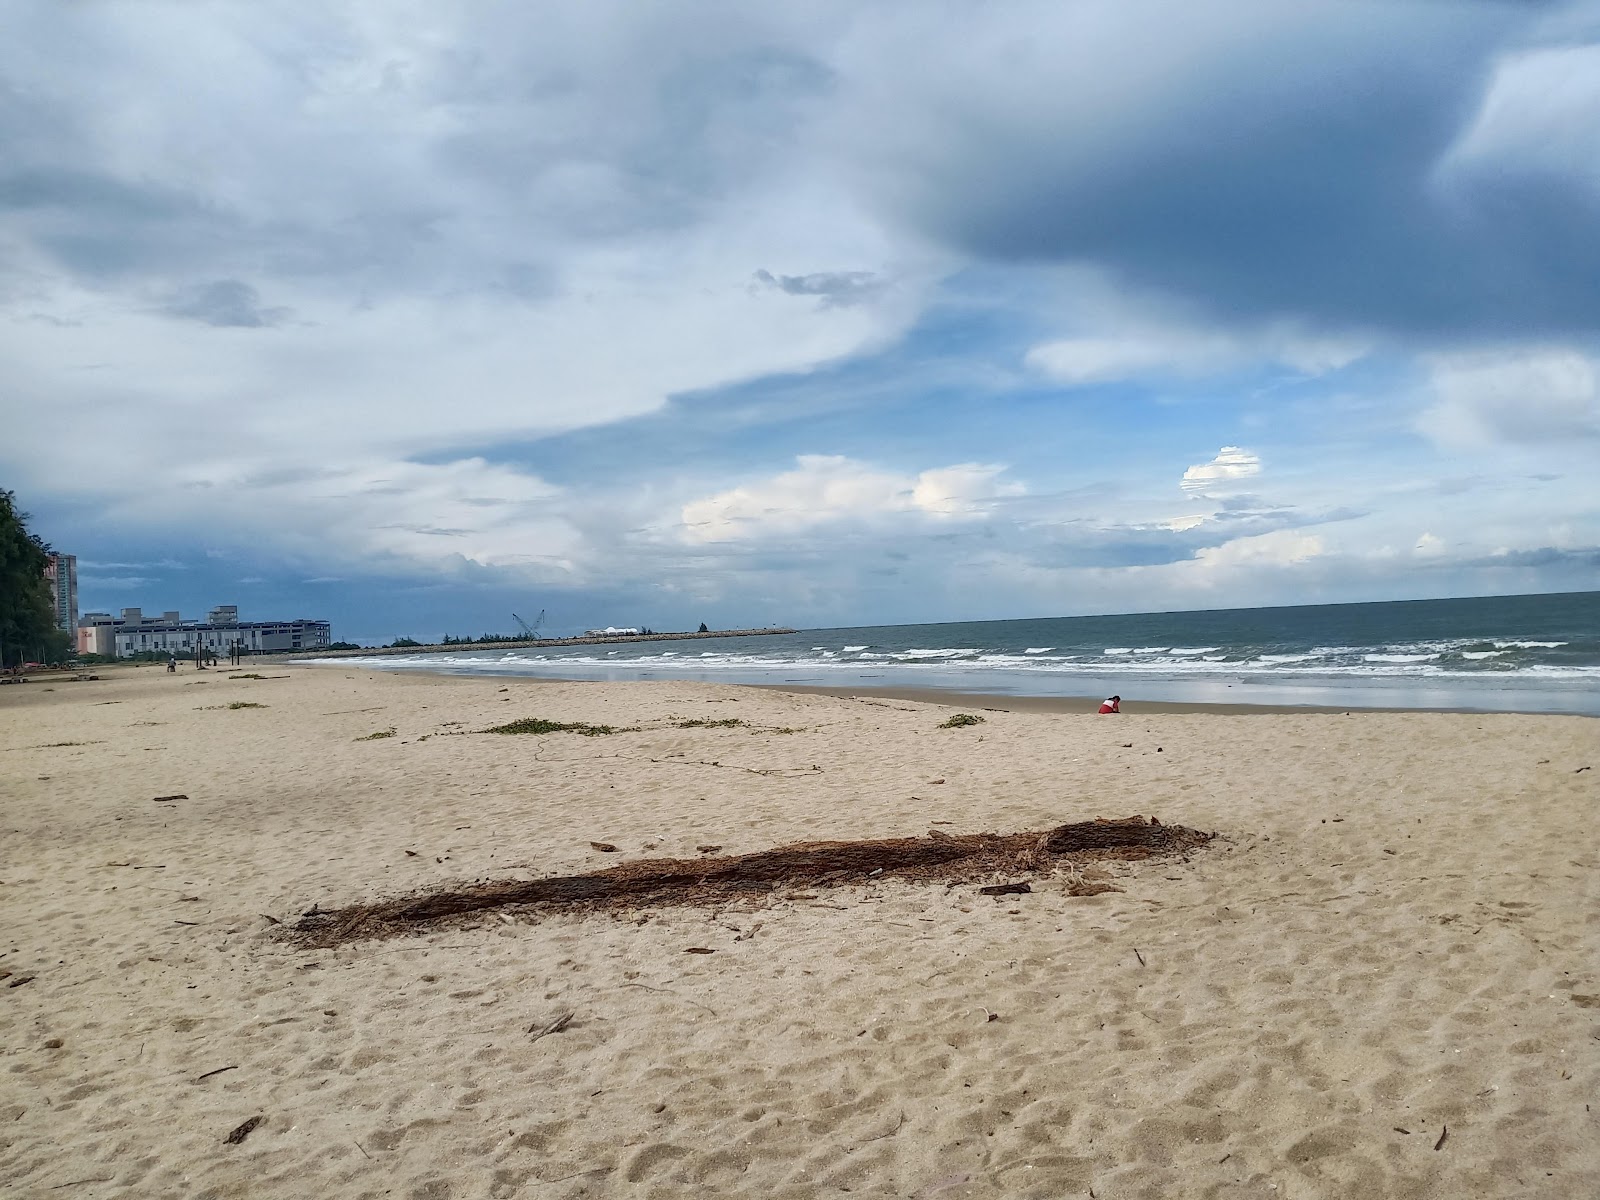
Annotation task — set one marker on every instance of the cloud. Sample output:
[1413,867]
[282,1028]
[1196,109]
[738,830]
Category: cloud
[428,517]
[165,564]
[1428,546]
[552,232]
[88,580]
[1582,558]
[224,303]
[1147,350]
[1533,396]
[834,287]
[829,488]
[1216,478]
[1282,548]
[1219,152]
[446,294]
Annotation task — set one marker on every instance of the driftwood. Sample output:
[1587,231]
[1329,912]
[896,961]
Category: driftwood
[953,857]
[1005,889]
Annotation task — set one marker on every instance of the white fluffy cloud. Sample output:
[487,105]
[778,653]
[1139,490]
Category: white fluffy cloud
[1218,477]
[828,488]
[1428,545]
[1281,548]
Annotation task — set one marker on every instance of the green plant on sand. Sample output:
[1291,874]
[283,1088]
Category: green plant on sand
[697,723]
[382,733]
[540,725]
[245,704]
[959,720]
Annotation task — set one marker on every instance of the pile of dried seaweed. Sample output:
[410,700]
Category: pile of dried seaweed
[700,881]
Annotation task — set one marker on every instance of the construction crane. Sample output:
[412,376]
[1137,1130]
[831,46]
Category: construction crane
[531,632]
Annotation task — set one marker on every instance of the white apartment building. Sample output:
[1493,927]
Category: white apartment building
[221,631]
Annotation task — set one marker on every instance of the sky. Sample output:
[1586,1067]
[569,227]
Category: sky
[410,316]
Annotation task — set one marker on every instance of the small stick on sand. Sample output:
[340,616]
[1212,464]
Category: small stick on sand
[891,1132]
[555,1026]
[1139,956]
[218,1071]
[1443,1133]
[669,992]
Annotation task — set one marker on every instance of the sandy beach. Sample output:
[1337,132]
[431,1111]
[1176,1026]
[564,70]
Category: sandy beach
[1380,979]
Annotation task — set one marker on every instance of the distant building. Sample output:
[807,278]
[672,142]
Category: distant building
[133,633]
[62,572]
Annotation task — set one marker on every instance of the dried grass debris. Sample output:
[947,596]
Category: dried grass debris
[952,858]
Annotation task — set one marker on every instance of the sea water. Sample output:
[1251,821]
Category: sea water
[1500,653]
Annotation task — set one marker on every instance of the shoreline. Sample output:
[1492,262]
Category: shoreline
[1087,704]
[1086,700]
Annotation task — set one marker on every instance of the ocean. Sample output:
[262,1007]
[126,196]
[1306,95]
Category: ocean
[1497,654]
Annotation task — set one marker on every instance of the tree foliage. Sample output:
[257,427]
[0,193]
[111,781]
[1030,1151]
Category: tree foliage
[27,609]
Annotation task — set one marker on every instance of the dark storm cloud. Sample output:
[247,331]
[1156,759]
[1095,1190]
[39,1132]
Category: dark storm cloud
[1258,160]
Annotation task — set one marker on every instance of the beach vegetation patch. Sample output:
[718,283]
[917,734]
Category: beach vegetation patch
[252,675]
[382,733]
[540,725]
[961,720]
[697,723]
[246,704]
[708,881]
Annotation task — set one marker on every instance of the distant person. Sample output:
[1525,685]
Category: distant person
[172,664]
[1111,705]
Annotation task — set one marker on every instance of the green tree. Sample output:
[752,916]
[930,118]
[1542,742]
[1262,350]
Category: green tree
[27,609]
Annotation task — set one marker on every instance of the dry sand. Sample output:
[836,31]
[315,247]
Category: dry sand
[1394,934]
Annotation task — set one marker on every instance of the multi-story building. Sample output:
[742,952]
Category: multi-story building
[220,633]
[62,572]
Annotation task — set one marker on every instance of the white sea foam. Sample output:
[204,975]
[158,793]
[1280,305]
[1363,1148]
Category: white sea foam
[1117,650]
[967,661]
[1529,645]
[1185,650]
[1151,650]
[1477,654]
[853,649]
[1038,649]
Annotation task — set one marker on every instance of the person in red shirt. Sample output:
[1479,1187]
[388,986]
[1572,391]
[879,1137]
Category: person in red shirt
[1113,705]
